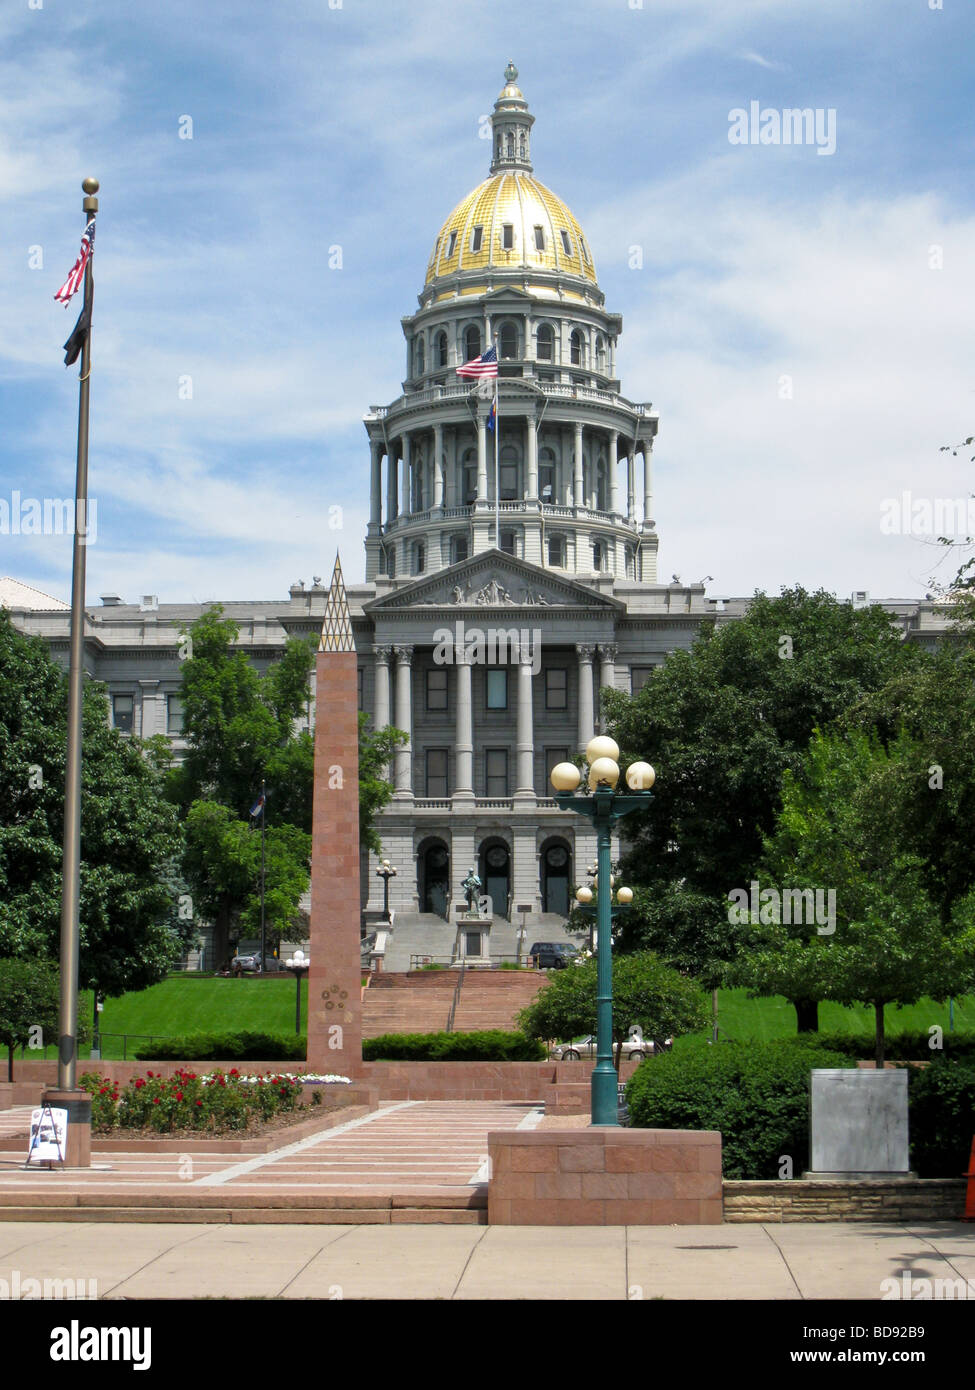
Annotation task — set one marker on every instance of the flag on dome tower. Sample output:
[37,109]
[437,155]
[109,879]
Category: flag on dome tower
[485,365]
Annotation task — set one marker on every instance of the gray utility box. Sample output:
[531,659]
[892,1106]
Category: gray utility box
[858,1124]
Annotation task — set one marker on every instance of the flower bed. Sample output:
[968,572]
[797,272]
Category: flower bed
[190,1103]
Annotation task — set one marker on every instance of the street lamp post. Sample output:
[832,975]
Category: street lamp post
[603,806]
[385,872]
[299,965]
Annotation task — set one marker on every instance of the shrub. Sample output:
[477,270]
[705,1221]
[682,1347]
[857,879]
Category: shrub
[909,1046]
[225,1047]
[942,1117]
[756,1094]
[491,1045]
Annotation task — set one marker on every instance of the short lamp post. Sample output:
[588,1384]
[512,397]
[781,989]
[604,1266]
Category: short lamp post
[385,872]
[604,806]
[299,964]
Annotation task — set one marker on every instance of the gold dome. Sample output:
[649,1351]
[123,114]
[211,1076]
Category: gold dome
[534,214]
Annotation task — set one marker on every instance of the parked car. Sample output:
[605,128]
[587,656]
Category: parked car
[586,1048]
[249,964]
[552,955]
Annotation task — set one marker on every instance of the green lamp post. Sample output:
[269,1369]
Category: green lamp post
[604,806]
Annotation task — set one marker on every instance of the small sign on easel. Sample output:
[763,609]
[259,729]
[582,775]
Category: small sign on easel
[48,1136]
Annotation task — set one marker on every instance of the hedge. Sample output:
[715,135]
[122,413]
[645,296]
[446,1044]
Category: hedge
[941,1109]
[225,1047]
[756,1094]
[491,1045]
[909,1046]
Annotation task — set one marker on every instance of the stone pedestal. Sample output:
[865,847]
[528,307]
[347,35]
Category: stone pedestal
[467,951]
[858,1124]
[78,1142]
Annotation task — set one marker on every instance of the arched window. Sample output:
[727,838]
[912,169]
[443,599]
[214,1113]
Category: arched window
[575,348]
[509,474]
[521,143]
[600,353]
[469,477]
[601,500]
[545,340]
[440,349]
[472,342]
[508,340]
[420,357]
[546,476]
[511,145]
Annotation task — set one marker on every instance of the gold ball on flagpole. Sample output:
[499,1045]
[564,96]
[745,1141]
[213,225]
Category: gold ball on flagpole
[89,185]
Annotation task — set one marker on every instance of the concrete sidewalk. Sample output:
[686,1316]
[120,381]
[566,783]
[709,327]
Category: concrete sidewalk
[787,1262]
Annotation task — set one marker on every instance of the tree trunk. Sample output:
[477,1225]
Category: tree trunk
[807,1015]
[10,1061]
[878,1011]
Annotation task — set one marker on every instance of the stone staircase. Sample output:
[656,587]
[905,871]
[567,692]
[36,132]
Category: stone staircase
[494,998]
[420,1001]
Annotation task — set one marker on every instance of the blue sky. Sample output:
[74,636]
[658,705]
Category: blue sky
[356,125]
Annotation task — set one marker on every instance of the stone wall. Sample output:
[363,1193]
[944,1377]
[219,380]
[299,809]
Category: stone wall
[931,1199]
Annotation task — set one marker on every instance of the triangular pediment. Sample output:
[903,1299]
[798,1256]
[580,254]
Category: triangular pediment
[494,580]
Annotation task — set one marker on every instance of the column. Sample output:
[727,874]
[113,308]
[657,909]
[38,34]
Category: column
[585,653]
[392,484]
[647,485]
[404,720]
[630,484]
[614,480]
[375,483]
[577,467]
[481,455]
[406,499]
[438,466]
[451,489]
[607,673]
[381,711]
[531,454]
[525,736]
[464,730]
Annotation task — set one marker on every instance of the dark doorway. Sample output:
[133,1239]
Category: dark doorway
[496,875]
[556,864]
[434,875]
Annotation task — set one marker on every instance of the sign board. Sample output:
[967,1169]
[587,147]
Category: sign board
[48,1131]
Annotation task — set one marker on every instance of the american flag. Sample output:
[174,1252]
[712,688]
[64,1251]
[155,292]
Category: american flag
[77,273]
[485,365]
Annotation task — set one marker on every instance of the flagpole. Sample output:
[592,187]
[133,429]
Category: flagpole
[77,1151]
[263,819]
[497,431]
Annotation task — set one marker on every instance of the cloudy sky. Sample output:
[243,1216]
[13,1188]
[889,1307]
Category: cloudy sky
[802,321]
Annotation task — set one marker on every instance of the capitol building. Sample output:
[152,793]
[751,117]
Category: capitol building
[511,570]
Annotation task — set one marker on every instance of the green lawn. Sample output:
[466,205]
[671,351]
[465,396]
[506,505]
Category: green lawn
[186,1004]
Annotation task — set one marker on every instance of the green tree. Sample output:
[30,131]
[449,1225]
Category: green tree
[660,1001]
[722,723]
[29,996]
[376,751]
[130,931]
[882,939]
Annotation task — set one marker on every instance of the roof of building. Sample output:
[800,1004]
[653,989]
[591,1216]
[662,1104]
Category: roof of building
[14,594]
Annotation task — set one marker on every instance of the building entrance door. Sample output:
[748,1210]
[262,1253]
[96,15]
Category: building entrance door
[555,880]
[496,876]
[436,880]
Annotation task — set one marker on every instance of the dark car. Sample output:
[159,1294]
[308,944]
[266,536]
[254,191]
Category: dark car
[552,955]
[249,964]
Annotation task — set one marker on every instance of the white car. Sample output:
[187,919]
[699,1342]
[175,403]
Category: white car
[636,1048]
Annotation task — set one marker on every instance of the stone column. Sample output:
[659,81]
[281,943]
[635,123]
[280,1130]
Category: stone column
[531,454]
[577,495]
[464,735]
[406,499]
[607,672]
[392,484]
[481,455]
[630,485]
[375,483]
[614,478]
[647,485]
[525,786]
[438,466]
[451,488]
[404,720]
[383,656]
[585,653]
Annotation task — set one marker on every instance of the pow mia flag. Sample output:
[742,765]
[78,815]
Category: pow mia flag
[76,342]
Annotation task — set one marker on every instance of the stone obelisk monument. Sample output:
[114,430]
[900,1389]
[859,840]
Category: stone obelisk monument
[334,980]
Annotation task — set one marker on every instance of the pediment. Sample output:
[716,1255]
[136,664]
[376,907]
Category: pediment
[497,581]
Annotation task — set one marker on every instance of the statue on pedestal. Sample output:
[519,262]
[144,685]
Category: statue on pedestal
[471,887]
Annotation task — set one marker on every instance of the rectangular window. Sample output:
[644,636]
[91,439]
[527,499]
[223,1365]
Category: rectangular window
[174,716]
[556,549]
[497,689]
[452,245]
[437,772]
[539,239]
[566,244]
[553,756]
[509,482]
[437,688]
[476,237]
[507,540]
[639,675]
[123,713]
[470,484]
[508,236]
[557,687]
[460,549]
[496,771]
